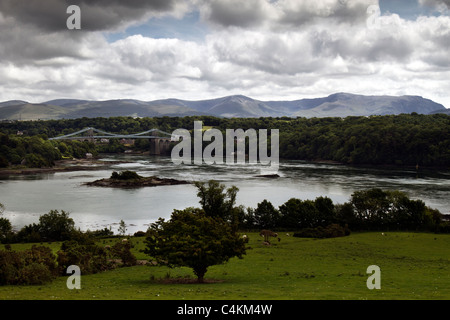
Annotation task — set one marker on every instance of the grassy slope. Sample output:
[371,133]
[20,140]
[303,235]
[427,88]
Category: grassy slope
[413,266]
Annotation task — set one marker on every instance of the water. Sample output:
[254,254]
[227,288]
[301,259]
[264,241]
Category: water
[26,197]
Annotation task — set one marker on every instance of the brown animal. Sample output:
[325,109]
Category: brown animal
[267,233]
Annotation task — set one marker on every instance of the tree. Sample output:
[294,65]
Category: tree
[298,214]
[370,207]
[122,228]
[345,215]
[325,210]
[56,226]
[5,225]
[215,200]
[5,229]
[265,215]
[193,239]
[384,209]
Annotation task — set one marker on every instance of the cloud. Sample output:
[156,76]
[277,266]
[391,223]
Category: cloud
[97,15]
[282,13]
[160,59]
[438,4]
[298,13]
[261,48]
[238,13]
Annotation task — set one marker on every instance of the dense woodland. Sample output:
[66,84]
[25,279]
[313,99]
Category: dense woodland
[403,140]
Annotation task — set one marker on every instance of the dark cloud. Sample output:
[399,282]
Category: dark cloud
[436,3]
[236,13]
[283,13]
[342,11]
[51,15]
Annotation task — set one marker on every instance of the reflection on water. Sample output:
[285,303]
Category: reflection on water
[26,197]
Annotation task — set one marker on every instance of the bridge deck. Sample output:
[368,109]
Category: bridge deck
[107,135]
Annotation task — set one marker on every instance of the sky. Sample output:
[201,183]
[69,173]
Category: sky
[203,49]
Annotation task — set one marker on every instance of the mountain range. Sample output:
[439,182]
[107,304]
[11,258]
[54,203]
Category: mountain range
[335,105]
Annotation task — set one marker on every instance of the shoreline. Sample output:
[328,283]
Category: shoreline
[60,166]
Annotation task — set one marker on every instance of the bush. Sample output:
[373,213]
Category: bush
[443,227]
[10,264]
[34,266]
[35,274]
[331,231]
[139,234]
[41,255]
[102,233]
[122,250]
[90,258]
[125,175]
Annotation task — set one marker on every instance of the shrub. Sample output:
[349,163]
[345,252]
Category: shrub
[10,264]
[139,234]
[122,250]
[34,274]
[331,231]
[90,258]
[125,175]
[41,255]
[33,266]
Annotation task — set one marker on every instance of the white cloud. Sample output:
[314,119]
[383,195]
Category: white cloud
[281,49]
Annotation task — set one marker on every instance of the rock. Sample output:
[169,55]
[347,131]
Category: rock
[273,176]
[135,183]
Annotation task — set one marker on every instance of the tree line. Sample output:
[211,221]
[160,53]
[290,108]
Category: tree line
[367,210]
[37,151]
[404,140]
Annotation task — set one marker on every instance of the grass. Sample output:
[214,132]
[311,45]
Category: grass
[413,266]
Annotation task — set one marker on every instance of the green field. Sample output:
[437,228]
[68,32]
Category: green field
[413,266]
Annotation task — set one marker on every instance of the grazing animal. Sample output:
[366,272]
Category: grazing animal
[267,233]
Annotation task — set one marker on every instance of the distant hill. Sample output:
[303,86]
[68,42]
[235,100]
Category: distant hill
[446,111]
[232,106]
[12,103]
[31,111]
[335,105]
[344,104]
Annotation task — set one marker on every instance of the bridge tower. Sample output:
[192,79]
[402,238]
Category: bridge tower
[159,146]
[154,146]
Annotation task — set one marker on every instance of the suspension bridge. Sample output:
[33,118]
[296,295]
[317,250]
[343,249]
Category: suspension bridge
[159,140]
